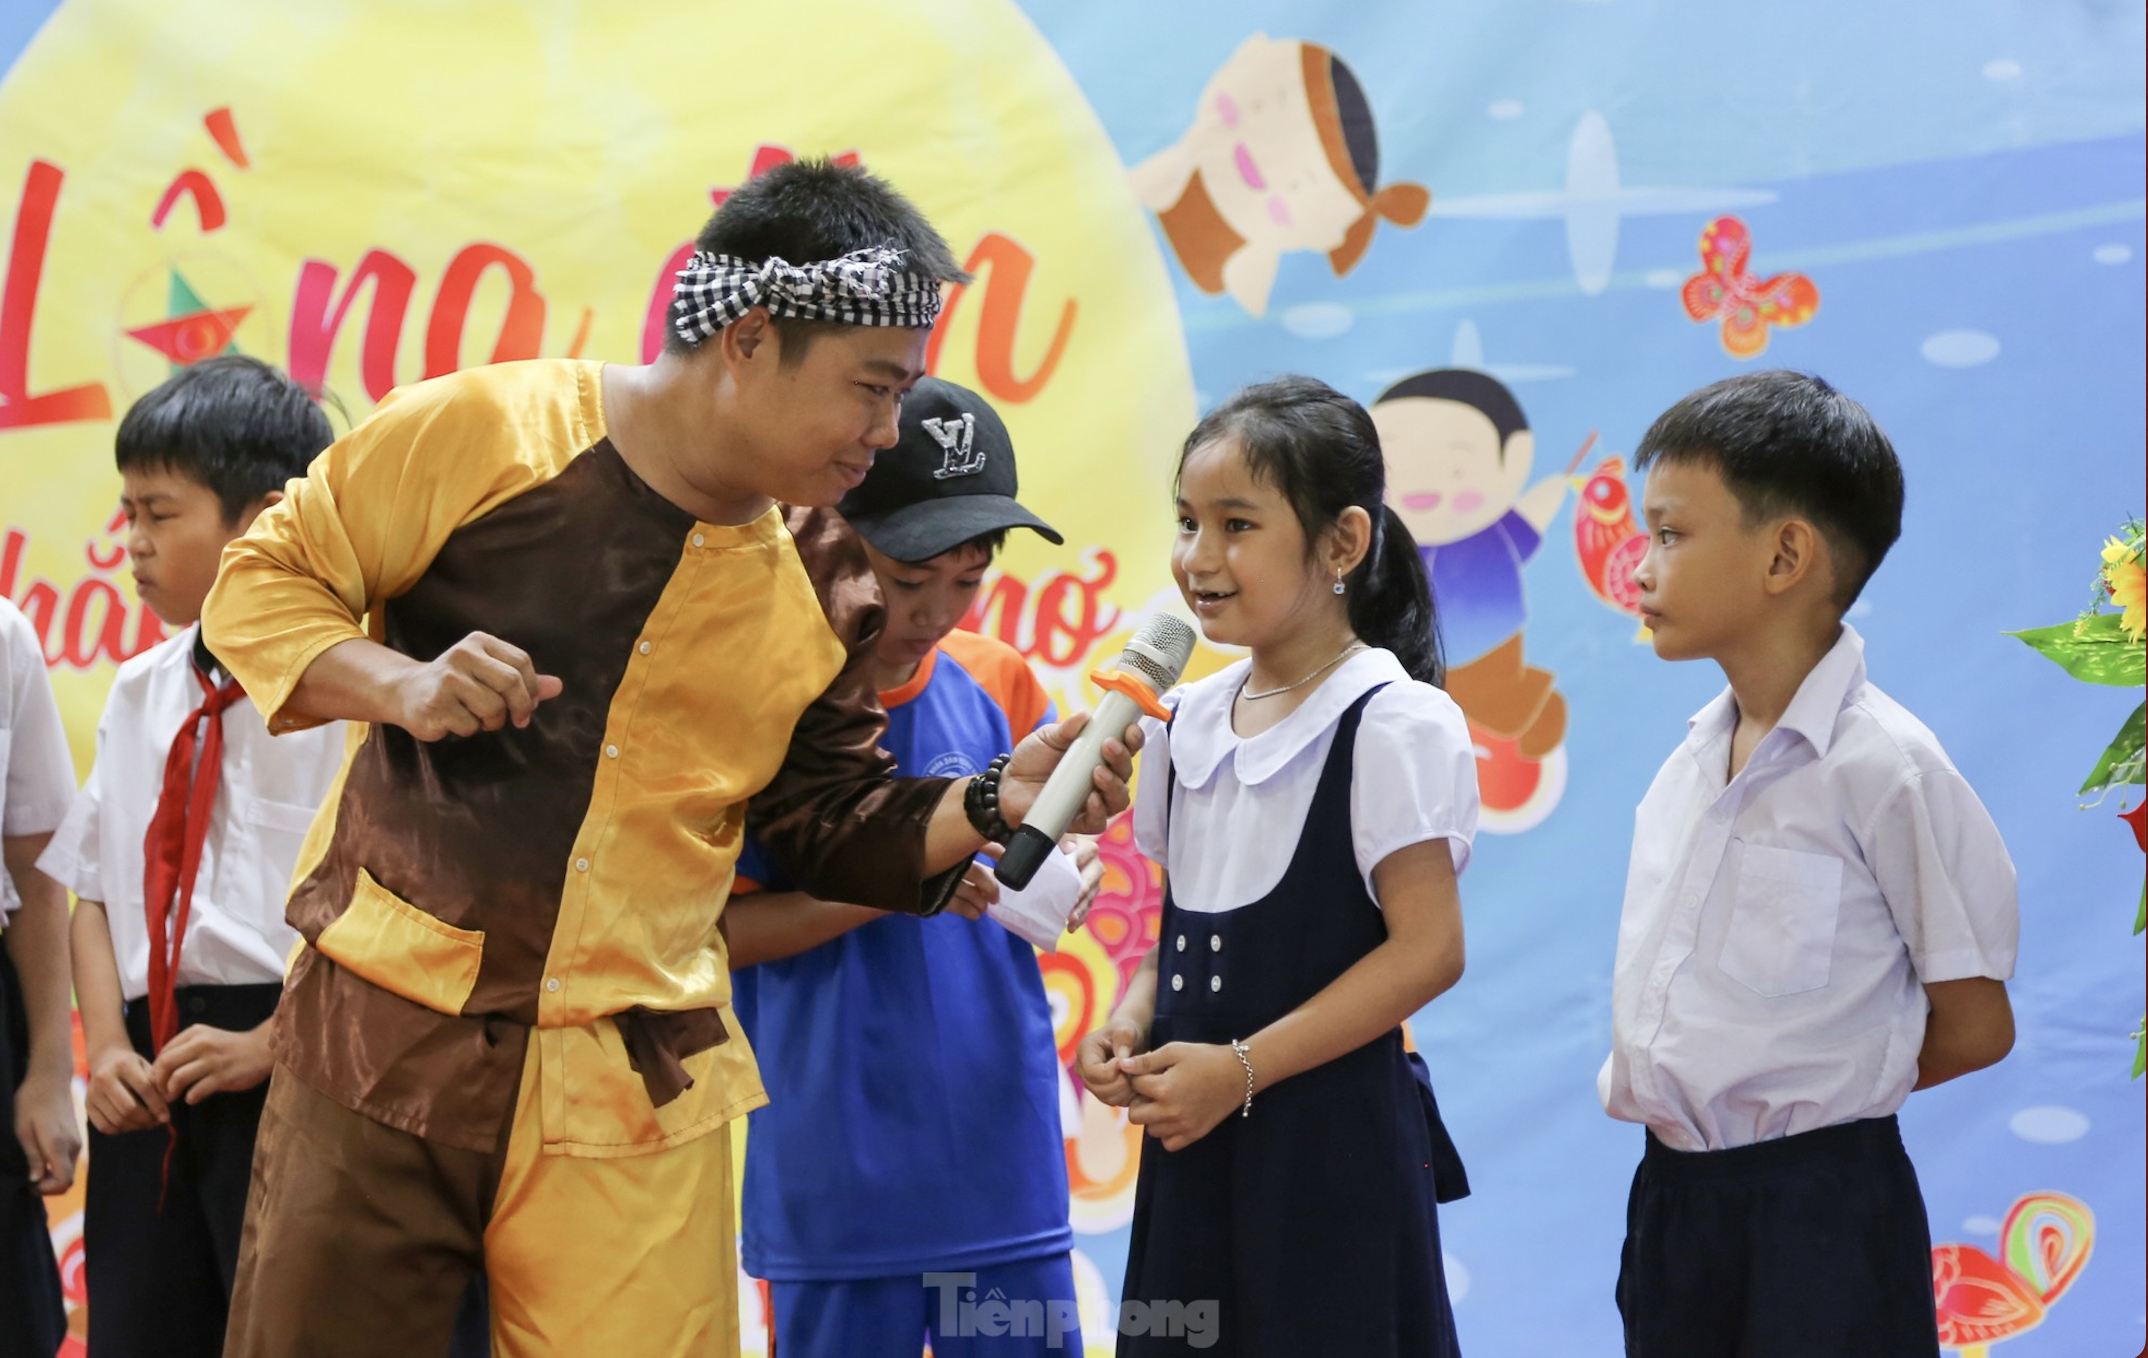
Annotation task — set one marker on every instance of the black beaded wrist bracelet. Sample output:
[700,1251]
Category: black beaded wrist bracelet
[980,802]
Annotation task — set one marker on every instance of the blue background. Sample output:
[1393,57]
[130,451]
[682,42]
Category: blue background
[1935,168]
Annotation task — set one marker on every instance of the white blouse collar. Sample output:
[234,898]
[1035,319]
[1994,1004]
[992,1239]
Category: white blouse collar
[1201,734]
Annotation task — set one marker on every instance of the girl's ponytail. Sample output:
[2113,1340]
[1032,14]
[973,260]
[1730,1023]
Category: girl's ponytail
[1391,600]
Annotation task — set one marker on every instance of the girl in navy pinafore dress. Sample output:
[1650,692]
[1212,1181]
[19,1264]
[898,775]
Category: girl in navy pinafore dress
[1312,806]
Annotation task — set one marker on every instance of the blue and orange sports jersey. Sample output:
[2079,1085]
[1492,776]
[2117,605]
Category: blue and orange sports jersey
[914,1086]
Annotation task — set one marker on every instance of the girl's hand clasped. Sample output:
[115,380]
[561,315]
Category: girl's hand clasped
[1182,1090]
[1100,1055]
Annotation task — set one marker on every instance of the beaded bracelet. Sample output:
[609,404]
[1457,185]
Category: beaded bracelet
[1238,1049]
[980,802]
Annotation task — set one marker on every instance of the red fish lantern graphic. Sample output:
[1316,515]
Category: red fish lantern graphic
[2044,1244]
[1747,305]
[1608,542]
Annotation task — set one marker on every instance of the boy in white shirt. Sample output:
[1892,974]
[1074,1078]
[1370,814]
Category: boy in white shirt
[179,952]
[1819,915]
[39,1136]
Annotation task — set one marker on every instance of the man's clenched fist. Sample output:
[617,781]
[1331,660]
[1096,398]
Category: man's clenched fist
[481,683]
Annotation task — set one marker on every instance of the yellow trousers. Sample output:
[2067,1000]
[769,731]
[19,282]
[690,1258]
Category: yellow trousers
[629,1255]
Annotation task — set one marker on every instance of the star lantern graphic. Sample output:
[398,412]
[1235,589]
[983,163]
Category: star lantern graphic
[192,330]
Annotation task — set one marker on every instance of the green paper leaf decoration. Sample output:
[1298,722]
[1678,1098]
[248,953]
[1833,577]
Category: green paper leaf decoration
[2095,649]
[2095,652]
[2122,758]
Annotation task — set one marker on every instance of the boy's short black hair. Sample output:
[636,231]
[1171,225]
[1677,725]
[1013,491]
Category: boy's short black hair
[231,423]
[1788,443]
[988,543]
[810,210]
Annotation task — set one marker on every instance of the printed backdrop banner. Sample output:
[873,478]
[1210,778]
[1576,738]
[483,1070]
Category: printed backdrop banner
[1516,231]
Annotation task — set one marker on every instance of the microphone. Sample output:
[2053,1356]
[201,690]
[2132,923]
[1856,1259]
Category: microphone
[1149,666]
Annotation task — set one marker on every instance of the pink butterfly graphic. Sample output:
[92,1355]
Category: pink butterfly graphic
[1748,305]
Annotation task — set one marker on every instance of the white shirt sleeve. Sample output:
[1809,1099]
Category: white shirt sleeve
[40,773]
[1416,777]
[1946,877]
[1150,782]
[73,857]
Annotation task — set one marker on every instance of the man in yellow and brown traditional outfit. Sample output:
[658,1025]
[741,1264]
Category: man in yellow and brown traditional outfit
[610,611]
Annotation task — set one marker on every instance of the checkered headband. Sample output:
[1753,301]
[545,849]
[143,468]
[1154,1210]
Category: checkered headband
[864,287]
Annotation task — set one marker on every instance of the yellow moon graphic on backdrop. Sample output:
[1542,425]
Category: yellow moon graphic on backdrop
[395,189]
[374,192]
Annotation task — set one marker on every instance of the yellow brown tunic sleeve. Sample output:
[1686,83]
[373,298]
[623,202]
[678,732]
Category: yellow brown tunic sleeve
[564,880]
[361,526]
[839,827]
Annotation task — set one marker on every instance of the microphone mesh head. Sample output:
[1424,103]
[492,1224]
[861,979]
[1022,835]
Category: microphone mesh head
[1159,651]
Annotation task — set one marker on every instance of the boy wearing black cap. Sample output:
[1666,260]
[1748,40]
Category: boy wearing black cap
[910,1163]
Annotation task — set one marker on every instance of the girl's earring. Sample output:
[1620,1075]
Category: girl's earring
[1338,580]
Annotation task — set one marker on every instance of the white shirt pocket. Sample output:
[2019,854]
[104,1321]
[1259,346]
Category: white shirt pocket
[276,831]
[1781,939]
[285,816]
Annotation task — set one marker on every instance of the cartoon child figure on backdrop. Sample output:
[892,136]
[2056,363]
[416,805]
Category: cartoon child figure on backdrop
[1459,452]
[1281,156]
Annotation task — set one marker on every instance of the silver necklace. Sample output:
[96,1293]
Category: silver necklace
[1270,693]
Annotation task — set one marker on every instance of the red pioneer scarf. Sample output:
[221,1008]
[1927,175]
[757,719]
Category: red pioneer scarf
[172,849]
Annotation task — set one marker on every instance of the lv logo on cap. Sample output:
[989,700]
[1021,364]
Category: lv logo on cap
[957,439]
